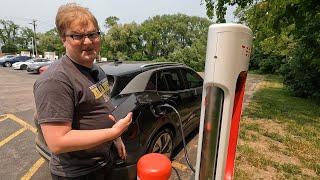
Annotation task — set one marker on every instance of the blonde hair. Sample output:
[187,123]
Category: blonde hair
[71,12]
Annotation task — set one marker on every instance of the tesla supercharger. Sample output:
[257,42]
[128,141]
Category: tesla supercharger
[227,61]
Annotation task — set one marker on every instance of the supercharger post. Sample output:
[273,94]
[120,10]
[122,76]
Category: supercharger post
[227,61]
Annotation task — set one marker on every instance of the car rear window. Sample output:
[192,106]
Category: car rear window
[119,83]
[193,79]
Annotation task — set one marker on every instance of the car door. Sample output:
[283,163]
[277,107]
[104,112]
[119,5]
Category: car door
[171,88]
[15,59]
[193,83]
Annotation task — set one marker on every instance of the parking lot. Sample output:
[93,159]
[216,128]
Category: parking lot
[18,156]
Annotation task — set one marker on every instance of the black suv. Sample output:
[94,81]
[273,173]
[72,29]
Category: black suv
[155,128]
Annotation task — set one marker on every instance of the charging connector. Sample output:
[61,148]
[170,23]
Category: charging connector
[182,134]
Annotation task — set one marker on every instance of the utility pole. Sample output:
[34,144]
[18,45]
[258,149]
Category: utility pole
[33,55]
[34,36]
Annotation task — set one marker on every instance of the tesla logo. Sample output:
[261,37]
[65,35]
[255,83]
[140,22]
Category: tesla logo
[246,50]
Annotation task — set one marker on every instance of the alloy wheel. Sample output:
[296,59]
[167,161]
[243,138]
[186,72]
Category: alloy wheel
[163,144]
[7,64]
[23,67]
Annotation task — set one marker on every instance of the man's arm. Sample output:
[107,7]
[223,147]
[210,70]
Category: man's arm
[60,137]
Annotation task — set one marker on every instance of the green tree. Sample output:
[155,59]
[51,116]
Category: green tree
[164,34]
[193,56]
[8,31]
[50,41]
[8,36]
[9,48]
[218,8]
[111,21]
[122,41]
[24,39]
[179,38]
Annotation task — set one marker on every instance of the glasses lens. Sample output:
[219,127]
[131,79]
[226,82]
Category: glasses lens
[93,35]
[80,37]
[77,36]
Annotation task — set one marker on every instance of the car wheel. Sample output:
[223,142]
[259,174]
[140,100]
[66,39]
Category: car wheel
[162,143]
[7,64]
[23,67]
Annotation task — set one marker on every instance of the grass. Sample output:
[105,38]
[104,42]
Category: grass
[279,136]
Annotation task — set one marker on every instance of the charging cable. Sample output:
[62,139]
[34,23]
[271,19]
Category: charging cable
[183,138]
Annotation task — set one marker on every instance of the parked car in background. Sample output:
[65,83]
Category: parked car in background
[24,65]
[8,56]
[144,88]
[35,66]
[43,69]
[9,61]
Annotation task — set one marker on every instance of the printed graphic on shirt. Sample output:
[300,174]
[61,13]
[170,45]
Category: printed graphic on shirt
[101,88]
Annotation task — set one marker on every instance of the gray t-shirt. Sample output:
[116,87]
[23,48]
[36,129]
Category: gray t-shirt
[71,92]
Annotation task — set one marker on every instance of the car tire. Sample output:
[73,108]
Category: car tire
[162,143]
[7,64]
[23,67]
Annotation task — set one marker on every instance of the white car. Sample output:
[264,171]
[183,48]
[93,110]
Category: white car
[24,65]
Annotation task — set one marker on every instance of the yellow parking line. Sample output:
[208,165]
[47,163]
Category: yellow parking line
[22,122]
[179,166]
[13,135]
[33,169]
[3,117]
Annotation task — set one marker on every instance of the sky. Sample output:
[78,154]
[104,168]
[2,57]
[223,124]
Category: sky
[22,12]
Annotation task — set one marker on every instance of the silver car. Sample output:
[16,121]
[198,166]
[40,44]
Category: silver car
[35,66]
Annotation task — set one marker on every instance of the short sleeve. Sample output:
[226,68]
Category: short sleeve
[54,101]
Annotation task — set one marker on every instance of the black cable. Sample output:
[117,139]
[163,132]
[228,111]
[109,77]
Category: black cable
[183,139]
[178,175]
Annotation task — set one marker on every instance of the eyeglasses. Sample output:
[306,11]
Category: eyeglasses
[81,37]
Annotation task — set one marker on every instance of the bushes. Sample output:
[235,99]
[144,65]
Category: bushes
[9,48]
[302,74]
[266,63]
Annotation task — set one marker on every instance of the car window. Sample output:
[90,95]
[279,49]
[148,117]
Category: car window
[121,83]
[193,79]
[152,84]
[172,79]
[161,82]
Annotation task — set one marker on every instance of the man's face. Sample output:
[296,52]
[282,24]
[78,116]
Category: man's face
[82,43]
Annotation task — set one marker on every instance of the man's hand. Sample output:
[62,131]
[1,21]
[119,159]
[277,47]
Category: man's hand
[122,124]
[120,148]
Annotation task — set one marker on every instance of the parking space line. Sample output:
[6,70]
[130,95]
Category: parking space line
[22,122]
[33,169]
[179,166]
[3,117]
[13,135]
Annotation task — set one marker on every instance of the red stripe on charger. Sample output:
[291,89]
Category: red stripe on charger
[235,123]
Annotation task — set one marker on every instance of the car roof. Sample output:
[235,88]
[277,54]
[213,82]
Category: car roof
[19,56]
[129,67]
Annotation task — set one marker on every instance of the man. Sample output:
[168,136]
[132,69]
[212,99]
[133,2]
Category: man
[71,102]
